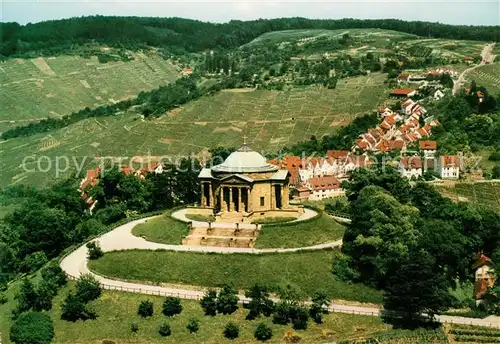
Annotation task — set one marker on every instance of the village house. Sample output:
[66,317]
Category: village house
[324,187]
[484,269]
[403,93]
[438,95]
[428,148]
[449,166]
[410,167]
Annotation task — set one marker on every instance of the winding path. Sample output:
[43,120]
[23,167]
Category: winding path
[121,238]
[486,56]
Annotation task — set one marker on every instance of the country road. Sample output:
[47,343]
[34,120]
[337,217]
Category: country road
[486,55]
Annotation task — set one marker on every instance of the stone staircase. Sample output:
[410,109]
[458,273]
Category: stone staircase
[223,236]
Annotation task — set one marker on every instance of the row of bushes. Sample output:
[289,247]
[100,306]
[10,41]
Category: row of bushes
[475,332]
[476,339]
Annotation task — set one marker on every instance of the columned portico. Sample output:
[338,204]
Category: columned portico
[247,185]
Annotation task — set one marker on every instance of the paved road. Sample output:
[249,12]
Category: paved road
[75,264]
[486,55]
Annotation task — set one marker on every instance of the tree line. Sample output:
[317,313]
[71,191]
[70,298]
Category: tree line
[49,220]
[414,243]
[180,35]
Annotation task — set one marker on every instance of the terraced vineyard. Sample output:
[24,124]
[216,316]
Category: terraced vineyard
[56,86]
[484,193]
[487,76]
[470,334]
[443,48]
[418,336]
[269,119]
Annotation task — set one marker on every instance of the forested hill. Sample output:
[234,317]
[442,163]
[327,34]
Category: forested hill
[185,35]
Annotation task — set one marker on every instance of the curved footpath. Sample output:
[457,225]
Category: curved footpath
[121,238]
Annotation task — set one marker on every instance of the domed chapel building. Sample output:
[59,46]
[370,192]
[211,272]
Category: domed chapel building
[245,188]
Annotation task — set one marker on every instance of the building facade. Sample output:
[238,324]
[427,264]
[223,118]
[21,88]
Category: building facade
[245,187]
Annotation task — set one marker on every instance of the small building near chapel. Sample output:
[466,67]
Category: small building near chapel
[245,188]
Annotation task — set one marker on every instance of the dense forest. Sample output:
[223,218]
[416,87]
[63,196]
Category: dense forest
[179,35]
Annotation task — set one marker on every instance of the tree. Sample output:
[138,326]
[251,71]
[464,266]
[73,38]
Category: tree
[259,302]
[26,297]
[319,303]
[73,308]
[145,309]
[33,262]
[94,250]
[171,306]
[416,286]
[227,300]
[32,328]
[45,292]
[193,325]
[263,332]
[495,172]
[231,331]
[87,229]
[88,288]
[381,232]
[53,274]
[209,302]
[165,330]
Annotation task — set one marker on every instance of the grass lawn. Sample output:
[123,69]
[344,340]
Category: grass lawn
[308,272]
[274,220]
[162,229]
[323,229]
[118,310]
[202,218]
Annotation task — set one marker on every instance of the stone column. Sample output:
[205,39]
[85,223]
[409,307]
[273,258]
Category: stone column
[220,190]
[203,198]
[210,196]
[231,204]
[240,200]
[249,200]
[282,196]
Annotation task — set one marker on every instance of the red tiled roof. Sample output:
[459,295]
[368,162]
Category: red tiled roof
[126,170]
[324,183]
[449,161]
[427,145]
[481,260]
[397,144]
[385,125]
[363,144]
[336,154]
[422,132]
[402,91]
[412,162]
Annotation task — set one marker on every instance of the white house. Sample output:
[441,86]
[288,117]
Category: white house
[449,166]
[410,167]
[429,148]
[438,95]
[324,187]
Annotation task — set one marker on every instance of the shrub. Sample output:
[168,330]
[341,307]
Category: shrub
[45,292]
[73,309]
[26,297]
[53,274]
[34,261]
[259,303]
[165,330]
[300,316]
[209,303]
[263,332]
[231,331]
[172,306]
[193,325]
[145,309]
[32,327]
[134,327]
[319,302]
[94,250]
[227,301]
[88,288]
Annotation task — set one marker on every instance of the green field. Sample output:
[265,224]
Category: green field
[306,271]
[321,230]
[270,119]
[487,76]
[485,194]
[118,310]
[55,86]
[162,229]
